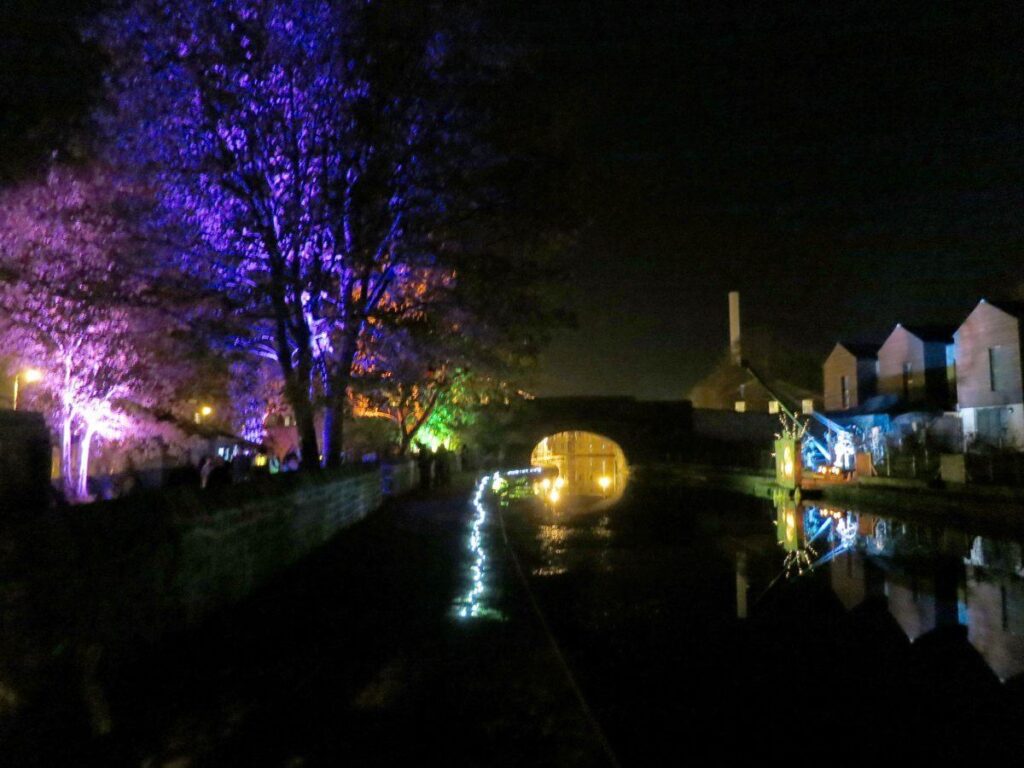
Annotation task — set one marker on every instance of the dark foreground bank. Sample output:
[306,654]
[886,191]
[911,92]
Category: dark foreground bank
[354,656]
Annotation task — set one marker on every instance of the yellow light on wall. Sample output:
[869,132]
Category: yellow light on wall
[206,410]
[554,496]
[604,482]
[27,376]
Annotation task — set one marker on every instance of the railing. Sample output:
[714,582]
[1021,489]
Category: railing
[915,465]
[997,468]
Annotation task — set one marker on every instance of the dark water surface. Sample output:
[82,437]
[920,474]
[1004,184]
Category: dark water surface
[696,626]
[701,623]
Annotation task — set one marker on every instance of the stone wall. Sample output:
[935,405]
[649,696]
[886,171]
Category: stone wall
[24,462]
[398,478]
[223,558]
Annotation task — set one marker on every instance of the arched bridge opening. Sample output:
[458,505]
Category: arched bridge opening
[582,469]
[645,432]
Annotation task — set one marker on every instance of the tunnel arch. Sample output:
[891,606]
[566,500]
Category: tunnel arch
[646,431]
[592,469]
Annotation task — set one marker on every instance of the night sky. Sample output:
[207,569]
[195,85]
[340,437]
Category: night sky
[844,165]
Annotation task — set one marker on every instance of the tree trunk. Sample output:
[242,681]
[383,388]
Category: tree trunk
[296,376]
[305,423]
[67,475]
[406,441]
[337,397]
[410,432]
[334,432]
[83,463]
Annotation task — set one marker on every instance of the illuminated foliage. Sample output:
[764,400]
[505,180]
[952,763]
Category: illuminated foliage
[299,148]
[454,412]
[72,305]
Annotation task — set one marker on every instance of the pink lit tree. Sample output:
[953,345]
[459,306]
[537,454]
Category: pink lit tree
[72,288]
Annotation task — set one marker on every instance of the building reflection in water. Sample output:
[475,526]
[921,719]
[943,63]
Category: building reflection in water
[929,578]
[854,580]
[589,466]
[742,585]
[995,604]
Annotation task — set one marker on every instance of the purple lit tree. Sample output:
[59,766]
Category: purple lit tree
[71,289]
[321,166]
[296,146]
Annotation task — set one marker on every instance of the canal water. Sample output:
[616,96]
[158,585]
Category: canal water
[732,627]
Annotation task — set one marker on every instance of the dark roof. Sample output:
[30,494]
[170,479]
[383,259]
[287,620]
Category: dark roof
[860,349]
[943,333]
[1015,308]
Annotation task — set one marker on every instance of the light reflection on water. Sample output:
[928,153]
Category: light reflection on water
[603,529]
[552,538]
[559,542]
[928,577]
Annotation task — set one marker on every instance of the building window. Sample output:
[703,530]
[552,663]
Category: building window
[998,368]
[844,388]
[908,379]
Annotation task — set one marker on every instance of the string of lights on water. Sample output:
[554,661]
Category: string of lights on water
[471,603]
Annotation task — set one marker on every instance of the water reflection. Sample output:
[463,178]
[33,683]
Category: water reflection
[995,600]
[553,538]
[742,584]
[929,578]
[800,531]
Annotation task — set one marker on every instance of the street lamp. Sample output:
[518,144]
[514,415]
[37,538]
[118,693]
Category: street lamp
[29,376]
[203,412]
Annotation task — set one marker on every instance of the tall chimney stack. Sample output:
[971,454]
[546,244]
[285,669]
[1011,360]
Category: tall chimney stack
[735,351]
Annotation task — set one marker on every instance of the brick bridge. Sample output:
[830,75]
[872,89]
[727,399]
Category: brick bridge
[646,430]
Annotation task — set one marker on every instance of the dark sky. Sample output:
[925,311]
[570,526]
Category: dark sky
[845,165]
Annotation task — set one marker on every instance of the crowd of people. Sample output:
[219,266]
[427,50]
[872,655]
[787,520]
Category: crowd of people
[436,466]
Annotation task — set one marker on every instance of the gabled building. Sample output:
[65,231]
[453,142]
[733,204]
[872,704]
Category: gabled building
[915,364]
[851,375]
[988,374]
